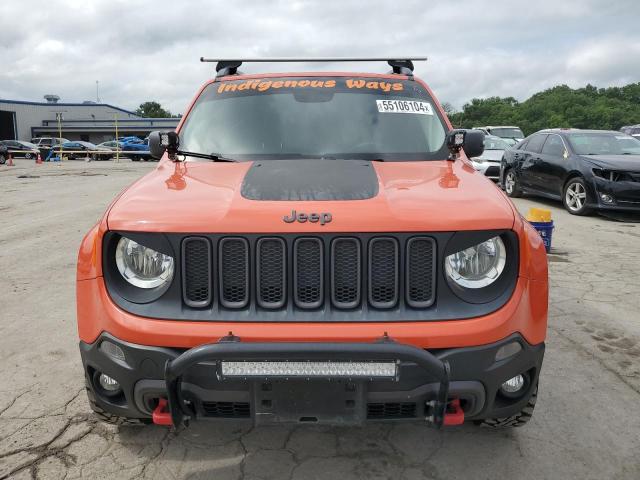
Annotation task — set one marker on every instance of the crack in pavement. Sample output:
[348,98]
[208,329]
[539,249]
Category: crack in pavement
[16,398]
[43,451]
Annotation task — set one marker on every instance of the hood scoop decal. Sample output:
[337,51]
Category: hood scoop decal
[310,180]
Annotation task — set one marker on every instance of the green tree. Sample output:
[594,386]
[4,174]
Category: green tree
[557,107]
[152,110]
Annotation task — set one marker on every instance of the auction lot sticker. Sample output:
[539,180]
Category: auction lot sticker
[404,106]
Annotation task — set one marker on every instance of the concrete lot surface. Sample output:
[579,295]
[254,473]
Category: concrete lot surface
[586,424]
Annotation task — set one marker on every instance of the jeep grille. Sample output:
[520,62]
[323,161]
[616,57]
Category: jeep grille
[306,273]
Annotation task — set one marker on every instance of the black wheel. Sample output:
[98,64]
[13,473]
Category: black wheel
[2,160]
[28,156]
[576,197]
[110,417]
[511,184]
[517,420]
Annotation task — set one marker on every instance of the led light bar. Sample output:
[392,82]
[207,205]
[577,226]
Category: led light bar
[309,369]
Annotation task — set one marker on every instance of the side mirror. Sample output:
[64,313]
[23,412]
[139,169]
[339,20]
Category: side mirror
[471,141]
[160,142]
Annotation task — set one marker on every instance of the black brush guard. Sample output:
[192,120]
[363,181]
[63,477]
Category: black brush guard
[231,348]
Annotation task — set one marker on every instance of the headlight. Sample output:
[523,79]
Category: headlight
[477,266]
[142,266]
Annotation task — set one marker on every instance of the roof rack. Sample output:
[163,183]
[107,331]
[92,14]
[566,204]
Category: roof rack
[402,65]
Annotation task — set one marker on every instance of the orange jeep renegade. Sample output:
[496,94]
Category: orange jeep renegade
[313,247]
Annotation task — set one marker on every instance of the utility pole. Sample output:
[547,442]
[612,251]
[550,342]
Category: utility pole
[59,119]
[115,119]
[97,91]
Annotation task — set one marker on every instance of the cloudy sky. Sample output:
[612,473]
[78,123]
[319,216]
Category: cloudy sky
[149,50]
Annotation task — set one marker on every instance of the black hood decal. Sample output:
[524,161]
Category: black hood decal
[310,180]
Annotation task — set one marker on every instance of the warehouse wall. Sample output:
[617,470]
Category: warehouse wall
[29,115]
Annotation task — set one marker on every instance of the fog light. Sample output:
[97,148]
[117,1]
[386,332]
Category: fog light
[109,384]
[113,350]
[513,385]
[606,198]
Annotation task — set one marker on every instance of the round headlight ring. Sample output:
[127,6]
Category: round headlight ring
[477,266]
[142,266]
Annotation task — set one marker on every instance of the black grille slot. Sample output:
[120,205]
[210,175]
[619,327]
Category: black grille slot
[420,288]
[390,410]
[196,270]
[271,273]
[227,409]
[308,272]
[345,272]
[234,272]
[383,272]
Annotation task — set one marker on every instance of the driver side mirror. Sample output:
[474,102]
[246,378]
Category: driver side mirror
[471,141]
[160,142]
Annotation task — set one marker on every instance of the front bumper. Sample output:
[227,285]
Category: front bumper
[426,381]
[625,195]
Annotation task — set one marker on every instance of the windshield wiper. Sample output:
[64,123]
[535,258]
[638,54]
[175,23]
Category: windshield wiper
[216,157]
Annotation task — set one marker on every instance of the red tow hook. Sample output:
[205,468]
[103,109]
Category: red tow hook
[454,414]
[161,415]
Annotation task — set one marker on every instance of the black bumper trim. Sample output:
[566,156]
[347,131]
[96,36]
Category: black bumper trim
[475,378]
[234,349]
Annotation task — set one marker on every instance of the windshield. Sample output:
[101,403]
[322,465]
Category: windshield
[604,144]
[495,143]
[332,117]
[507,132]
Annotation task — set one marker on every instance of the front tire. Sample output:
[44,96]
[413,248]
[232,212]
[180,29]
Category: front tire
[511,184]
[517,420]
[576,197]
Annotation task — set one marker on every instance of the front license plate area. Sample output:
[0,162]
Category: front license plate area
[335,402]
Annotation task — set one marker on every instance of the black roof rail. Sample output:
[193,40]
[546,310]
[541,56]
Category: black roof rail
[401,65]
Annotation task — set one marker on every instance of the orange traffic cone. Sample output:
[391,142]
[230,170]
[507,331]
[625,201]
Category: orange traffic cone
[10,161]
[38,159]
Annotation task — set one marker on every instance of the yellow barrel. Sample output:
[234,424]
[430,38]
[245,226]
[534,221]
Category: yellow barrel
[539,215]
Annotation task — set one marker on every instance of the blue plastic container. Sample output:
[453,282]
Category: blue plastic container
[545,229]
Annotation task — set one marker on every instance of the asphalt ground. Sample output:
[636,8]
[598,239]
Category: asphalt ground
[586,424]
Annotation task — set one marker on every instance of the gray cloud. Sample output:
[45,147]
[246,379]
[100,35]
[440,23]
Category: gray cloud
[146,50]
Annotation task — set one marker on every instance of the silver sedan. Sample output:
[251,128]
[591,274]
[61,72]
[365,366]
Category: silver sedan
[489,162]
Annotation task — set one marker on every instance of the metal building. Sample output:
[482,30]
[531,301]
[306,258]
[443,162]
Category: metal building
[91,122]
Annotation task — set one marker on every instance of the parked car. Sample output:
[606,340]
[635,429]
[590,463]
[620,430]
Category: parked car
[633,130]
[509,134]
[489,162]
[77,150]
[586,169]
[112,145]
[3,154]
[136,148]
[336,260]
[46,142]
[20,148]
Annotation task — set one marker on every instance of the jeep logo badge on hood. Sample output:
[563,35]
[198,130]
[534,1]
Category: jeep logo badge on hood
[324,217]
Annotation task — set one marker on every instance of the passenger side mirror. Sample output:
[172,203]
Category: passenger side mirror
[471,141]
[160,142]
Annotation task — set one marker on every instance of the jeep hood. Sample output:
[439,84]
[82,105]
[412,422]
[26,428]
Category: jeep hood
[201,197]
